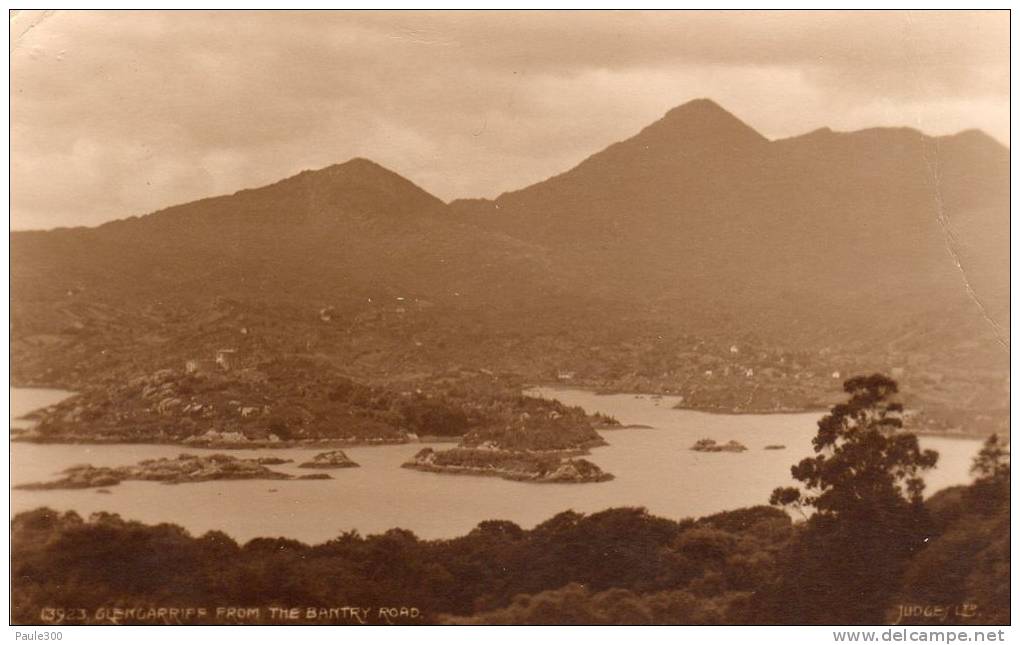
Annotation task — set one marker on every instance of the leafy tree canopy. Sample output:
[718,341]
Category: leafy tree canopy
[862,462]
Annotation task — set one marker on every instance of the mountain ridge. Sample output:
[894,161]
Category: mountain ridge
[875,243]
[698,193]
[702,106]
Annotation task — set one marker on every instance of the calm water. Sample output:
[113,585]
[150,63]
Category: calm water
[653,468]
[25,400]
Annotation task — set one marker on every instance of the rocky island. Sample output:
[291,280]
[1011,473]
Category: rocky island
[709,445]
[332,459]
[265,403]
[260,402]
[513,465]
[539,441]
[184,469]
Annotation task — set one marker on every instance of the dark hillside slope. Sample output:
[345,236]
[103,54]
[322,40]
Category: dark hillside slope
[353,230]
[825,234]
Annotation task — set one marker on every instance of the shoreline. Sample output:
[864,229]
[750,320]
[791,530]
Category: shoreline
[505,475]
[556,386]
[275,445]
[598,391]
[17,434]
[744,412]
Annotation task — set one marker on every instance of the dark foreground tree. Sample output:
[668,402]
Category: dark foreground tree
[991,476]
[862,462]
[992,463]
[965,566]
[864,487]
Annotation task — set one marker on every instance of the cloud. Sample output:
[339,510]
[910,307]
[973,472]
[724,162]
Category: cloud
[121,113]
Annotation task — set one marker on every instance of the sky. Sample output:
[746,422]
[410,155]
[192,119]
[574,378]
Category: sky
[115,114]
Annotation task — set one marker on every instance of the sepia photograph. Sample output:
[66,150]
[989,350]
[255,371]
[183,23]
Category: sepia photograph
[519,317]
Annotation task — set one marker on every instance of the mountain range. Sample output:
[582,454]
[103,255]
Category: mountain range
[883,238]
[836,231]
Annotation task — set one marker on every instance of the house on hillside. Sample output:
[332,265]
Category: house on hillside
[225,358]
[200,366]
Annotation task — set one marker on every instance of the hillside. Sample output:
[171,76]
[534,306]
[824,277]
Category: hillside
[350,231]
[640,269]
[826,235]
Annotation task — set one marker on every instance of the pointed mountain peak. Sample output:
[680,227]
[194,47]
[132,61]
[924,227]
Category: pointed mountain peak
[362,165]
[358,174]
[697,130]
[703,120]
[359,162]
[701,106]
[355,168]
[356,186]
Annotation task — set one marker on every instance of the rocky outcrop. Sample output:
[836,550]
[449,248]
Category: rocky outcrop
[273,461]
[332,459]
[215,438]
[225,409]
[184,469]
[513,465]
[709,445]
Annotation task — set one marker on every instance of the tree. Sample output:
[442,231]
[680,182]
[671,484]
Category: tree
[862,463]
[992,463]
[966,563]
[865,487]
[990,491]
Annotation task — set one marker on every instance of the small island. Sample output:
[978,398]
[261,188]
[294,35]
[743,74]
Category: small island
[540,441]
[709,445]
[331,459]
[507,464]
[775,447]
[182,470]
